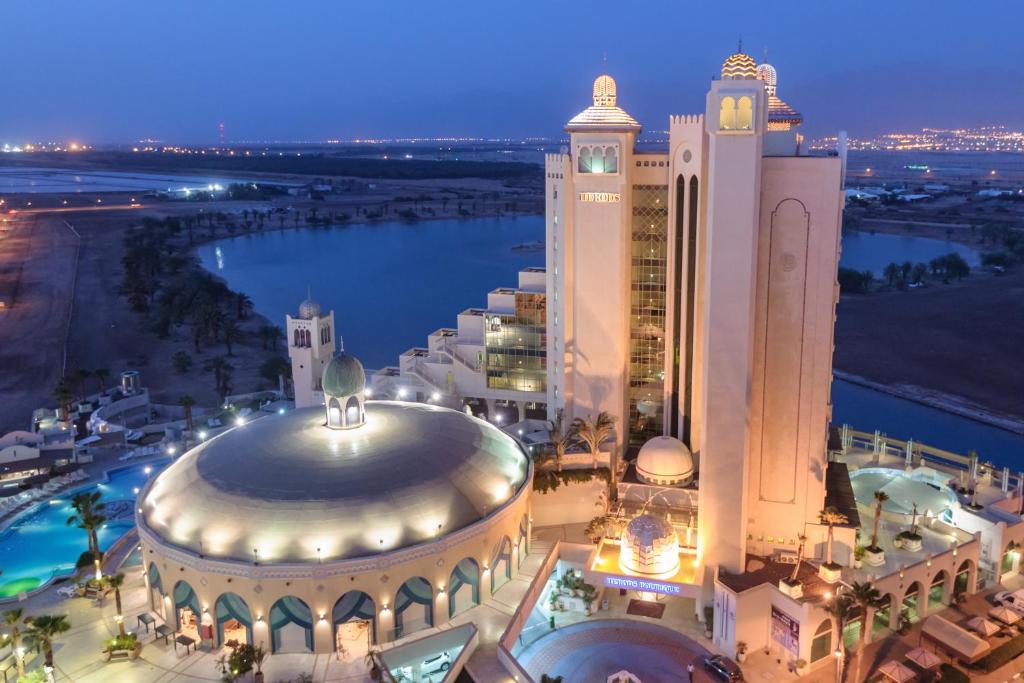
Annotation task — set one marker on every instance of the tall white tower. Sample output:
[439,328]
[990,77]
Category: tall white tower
[310,348]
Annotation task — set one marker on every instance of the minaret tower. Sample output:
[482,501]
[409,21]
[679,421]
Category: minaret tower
[735,123]
[310,348]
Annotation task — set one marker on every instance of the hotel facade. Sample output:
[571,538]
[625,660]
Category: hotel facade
[692,293]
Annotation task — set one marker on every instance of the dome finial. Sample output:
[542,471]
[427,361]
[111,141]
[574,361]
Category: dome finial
[604,91]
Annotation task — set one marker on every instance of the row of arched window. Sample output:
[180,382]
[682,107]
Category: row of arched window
[598,159]
[304,337]
[291,620]
[736,114]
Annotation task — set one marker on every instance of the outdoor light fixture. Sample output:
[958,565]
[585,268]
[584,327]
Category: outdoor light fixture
[202,436]
[367,392]
[402,392]
[147,469]
[171,450]
[436,396]
[239,421]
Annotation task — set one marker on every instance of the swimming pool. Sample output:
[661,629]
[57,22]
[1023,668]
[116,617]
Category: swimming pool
[39,545]
[924,486]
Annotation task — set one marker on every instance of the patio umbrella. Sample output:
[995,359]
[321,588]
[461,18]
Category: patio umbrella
[1005,615]
[923,658]
[895,671]
[982,626]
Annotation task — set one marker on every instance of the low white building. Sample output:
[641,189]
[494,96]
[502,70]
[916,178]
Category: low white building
[494,362]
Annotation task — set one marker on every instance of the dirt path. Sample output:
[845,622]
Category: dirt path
[36,281]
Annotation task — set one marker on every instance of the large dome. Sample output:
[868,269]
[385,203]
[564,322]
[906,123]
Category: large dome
[286,489]
[343,376]
[665,461]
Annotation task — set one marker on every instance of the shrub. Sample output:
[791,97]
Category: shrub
[950,674]
[550,480]
[1006,652]
[127,642]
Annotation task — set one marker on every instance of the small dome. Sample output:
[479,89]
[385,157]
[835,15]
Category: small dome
[649,546]
[665,461]
[309,309]
[739,66]
[343,376]
[767,73]
[604,91]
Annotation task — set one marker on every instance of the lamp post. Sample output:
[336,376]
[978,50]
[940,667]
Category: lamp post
[839,659]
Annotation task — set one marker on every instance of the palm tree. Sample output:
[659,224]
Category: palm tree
[559,439]
[244,305]
[890,272]
[831,517]
[114,582]
[89,516]
[866,597]
[12,618]
[275,335]
[82,375]
[101,375]
[43,629]
[593,433]
[187,402]
[880,498]
[63,395]
[231,333]
[799,558]
[841,610]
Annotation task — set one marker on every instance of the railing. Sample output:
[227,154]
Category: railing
[447,348]
[522,614]
[915,454]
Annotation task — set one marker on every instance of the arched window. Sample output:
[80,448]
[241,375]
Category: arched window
[727,114]
[583,165]
[611,160]
[291,626]
[821,646]
[744,114]
[353,613]
[233,618]
[297,338]
[414,606]
[309,338]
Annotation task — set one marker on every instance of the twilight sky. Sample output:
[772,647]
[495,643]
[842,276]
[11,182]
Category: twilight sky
[120,70]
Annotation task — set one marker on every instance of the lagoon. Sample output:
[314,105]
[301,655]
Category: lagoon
[392,284]
[874,251]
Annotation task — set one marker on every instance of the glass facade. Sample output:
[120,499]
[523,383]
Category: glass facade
[649,254]
[517,345]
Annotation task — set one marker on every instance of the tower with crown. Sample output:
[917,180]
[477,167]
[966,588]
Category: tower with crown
[310,348]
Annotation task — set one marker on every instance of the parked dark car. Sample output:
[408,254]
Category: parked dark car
[723,668]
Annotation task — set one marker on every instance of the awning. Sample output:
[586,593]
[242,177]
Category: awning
[923,658]
[895,671]
[1004,614]
[983,626]
[957,641]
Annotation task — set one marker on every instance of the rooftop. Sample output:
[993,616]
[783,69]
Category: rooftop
[292,490]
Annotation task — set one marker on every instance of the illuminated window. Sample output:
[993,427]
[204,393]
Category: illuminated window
[727,114]
[744,114]
[598,159]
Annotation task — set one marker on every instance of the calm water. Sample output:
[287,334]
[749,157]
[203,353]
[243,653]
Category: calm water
[868,410]
[390,284]
[55,180]
[866,251]
[39,545]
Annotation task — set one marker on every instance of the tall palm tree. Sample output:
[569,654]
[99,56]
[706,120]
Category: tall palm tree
[799,558]
[101,375]
[277,334]
[830,517]
[593,433]
[89,516]
[187,402]
[243,305]
[62,393]
[114,582]
[12,618]
[232,332]
[880,498]
[559,439]
[841,610]
[82,375]
[865,596]
[42,631]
